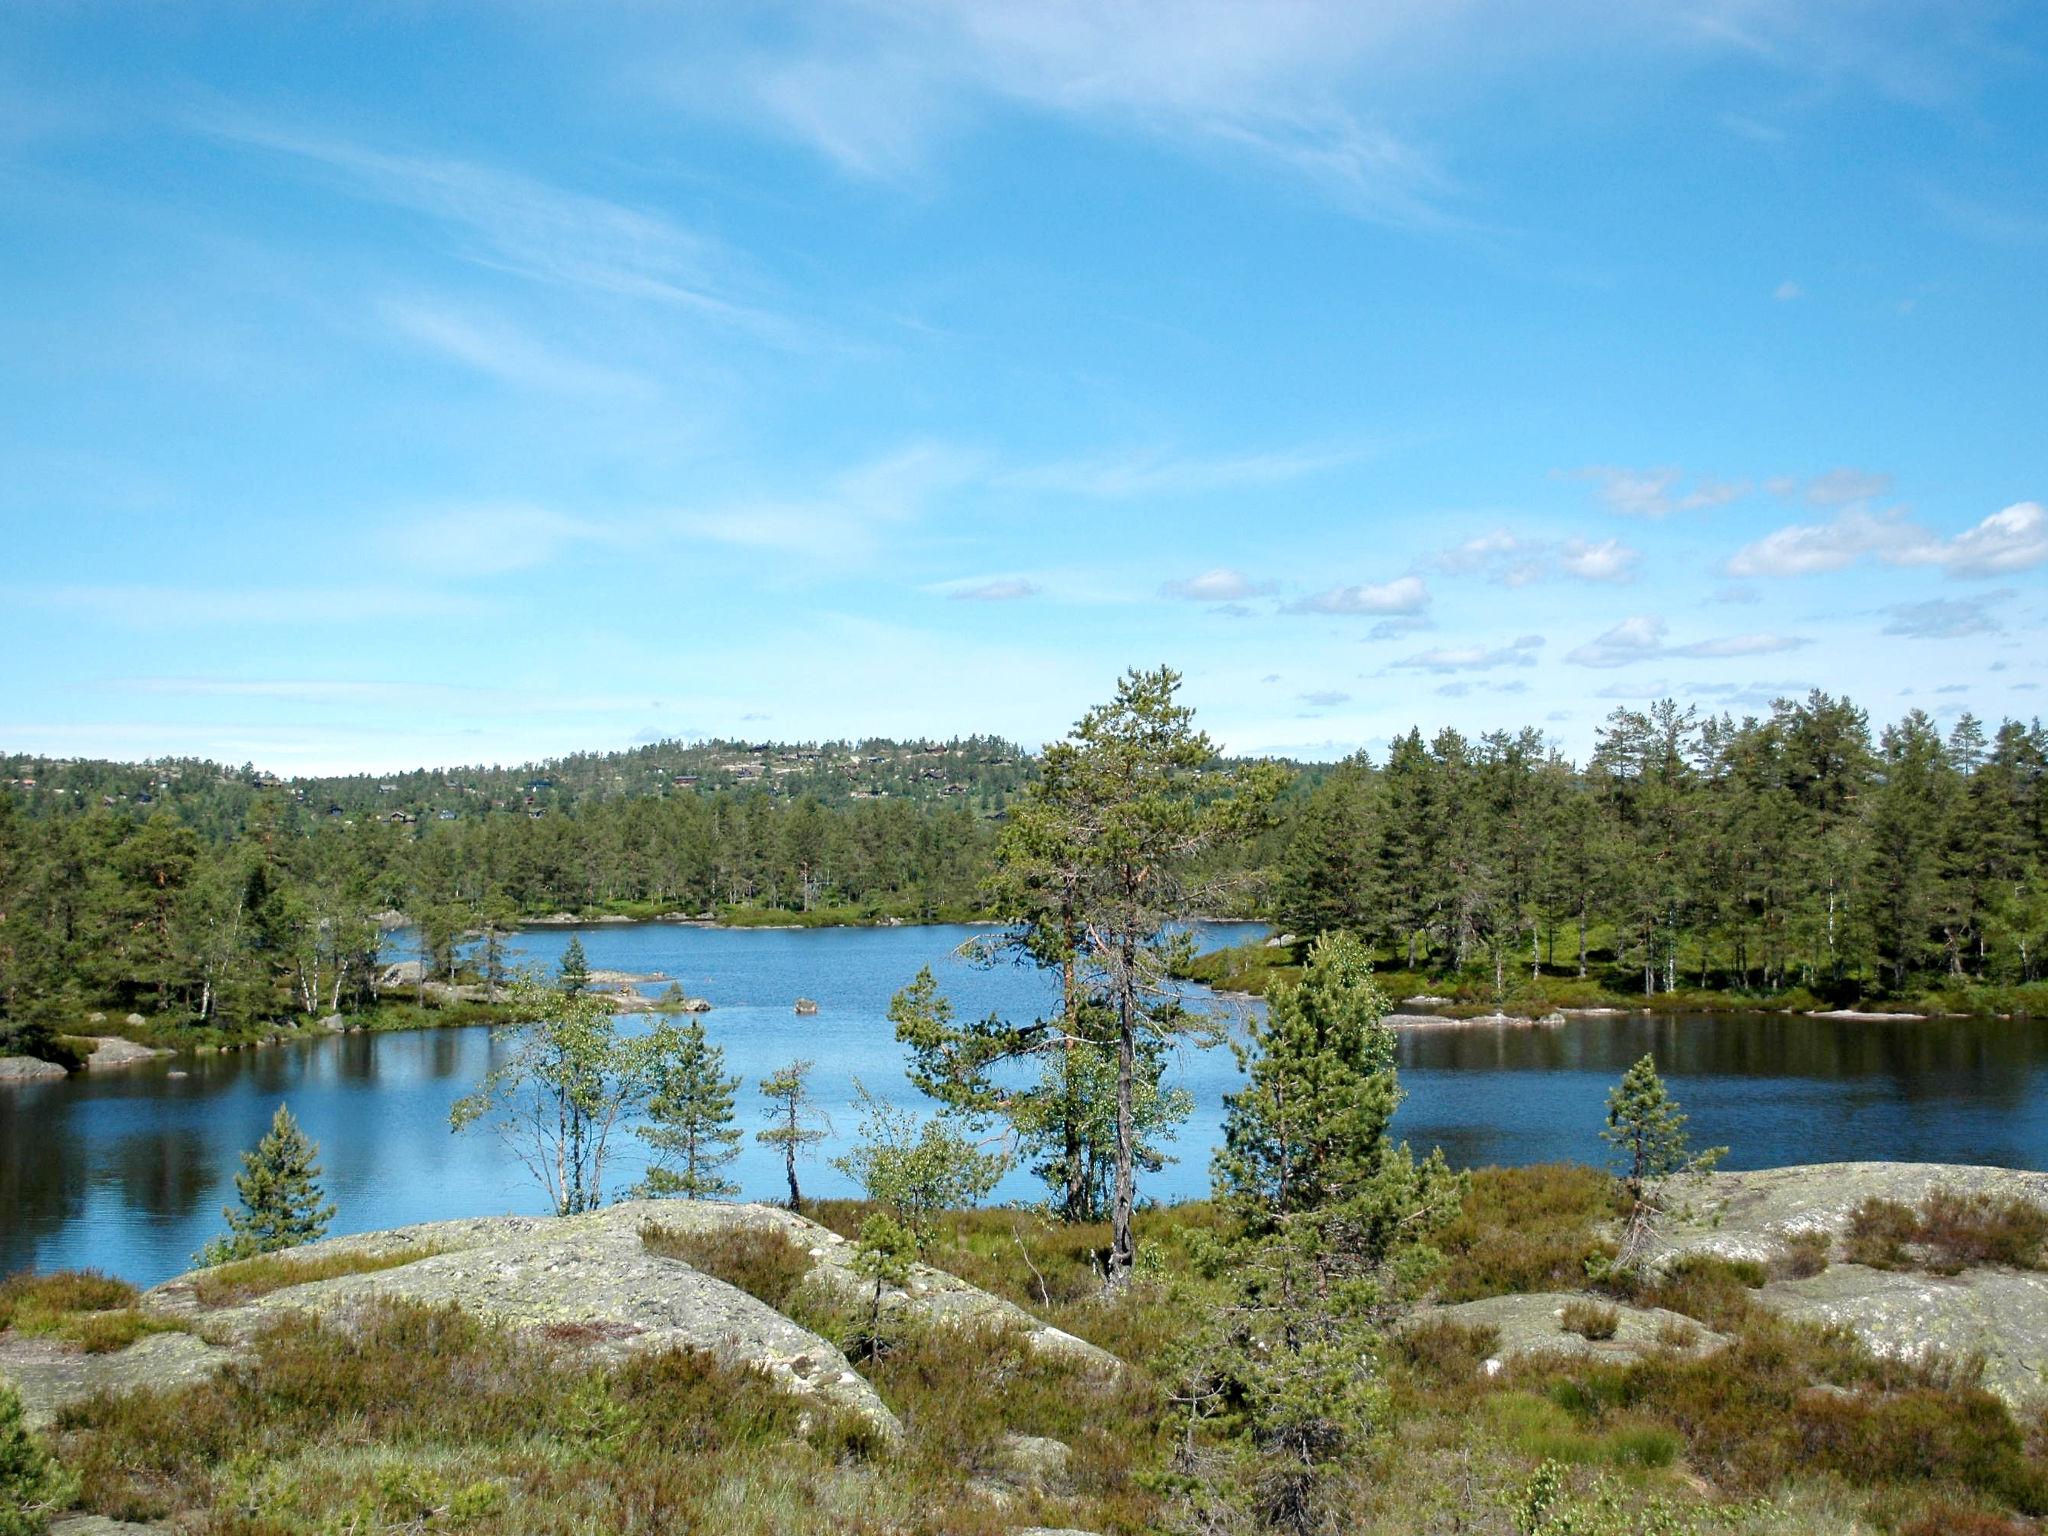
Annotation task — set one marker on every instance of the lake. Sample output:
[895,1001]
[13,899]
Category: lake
[127,1170]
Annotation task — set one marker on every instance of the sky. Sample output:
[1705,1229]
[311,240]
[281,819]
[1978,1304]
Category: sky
[394,384]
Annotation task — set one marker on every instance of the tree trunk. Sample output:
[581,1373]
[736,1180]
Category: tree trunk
[1123,1251]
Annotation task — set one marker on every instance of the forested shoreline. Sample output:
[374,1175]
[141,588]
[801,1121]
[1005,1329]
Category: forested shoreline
[1798,852]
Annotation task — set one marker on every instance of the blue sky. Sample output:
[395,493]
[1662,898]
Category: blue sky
[388,384]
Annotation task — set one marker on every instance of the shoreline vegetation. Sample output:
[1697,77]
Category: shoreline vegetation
[1800,861]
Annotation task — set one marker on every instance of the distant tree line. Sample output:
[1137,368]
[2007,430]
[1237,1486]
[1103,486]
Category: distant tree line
[1789,850]
[1796,849]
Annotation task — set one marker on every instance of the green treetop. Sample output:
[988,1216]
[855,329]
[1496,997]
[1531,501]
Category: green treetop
[572,972]
[1647,1131]
[795,1124]
[282,1203]
[690,1115]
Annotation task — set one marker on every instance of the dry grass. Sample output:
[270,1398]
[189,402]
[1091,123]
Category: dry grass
[761,1261]
[1589,1319]
[246,1279]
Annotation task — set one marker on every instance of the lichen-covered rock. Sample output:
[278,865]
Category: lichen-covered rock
[1533,1324]
[51,1375]
[1751,1215]
[2001,1314]
[586,1281]
[932,1293]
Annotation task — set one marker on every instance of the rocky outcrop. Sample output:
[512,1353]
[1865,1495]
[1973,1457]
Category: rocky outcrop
[2000,1314]
[28,1069]
[113,1051]
[51,1375]
[1533,1324]
[932,1295]
[584,1281]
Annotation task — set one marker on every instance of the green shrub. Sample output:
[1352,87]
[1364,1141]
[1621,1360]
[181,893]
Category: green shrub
[32,1485]
[36,1303]
[1804,1255]
[762,1261]
[1527,1229]
[1950,1231]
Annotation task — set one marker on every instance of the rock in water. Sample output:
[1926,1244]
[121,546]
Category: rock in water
[805,1007]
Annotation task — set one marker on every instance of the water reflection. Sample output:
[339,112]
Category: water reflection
[127,1171]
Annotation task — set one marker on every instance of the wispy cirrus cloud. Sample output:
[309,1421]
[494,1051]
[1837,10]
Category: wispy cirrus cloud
[1642,638]
[2012,539]
[1133,473]
[499,350]
[142,605]
[516,223]
[1945,618]
[1001,589]
[876,88]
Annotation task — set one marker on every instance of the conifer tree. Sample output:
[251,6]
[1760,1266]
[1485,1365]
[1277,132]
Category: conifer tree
[282,1202]
[1334,1222]
[795,1124]
[690,1115]
[33,1486]
[572,972]
[1647,1130]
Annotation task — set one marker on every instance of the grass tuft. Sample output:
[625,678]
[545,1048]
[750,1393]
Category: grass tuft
[246,1279]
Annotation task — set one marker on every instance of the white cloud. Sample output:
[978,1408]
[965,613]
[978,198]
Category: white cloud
[1475,658]
[1642,638]
[1004,589]
[1839,487]
[1657,493]
[2010,540]
[1403,595]
[1787,291]
[1325,698]
[1222,585]
[1513,561]
[1944,618]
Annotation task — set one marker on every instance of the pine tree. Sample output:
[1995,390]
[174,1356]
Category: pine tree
[690,1116]
[282,1202]
[572,973]
[1644,1126]
[795,1125]
[33,1487]
[1334,1223]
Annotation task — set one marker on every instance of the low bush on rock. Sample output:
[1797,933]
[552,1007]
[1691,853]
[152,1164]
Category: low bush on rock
[1950,1231]
[1589,1319]
[761,1261]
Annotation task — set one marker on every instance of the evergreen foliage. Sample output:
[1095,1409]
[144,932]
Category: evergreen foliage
[795,1123]
[1333,1229]
[1647,1130]
[32,1485]
[282,1204]
[689,1115]
[572,971]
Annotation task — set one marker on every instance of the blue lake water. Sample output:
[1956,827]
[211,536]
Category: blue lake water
[127,1170]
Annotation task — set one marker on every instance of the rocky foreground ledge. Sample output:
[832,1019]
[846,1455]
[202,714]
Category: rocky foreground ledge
[589,1281]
